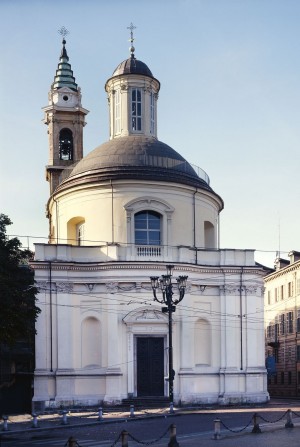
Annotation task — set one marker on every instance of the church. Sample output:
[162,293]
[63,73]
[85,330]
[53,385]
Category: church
[118,217]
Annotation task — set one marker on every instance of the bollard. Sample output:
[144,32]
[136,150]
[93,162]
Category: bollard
[5,423]
[217,429]
[124,438]
[100,414]
[256,428]
[72,442]
[132,411]
[34,421]
[64,420]
[289,420]
[171,408]
[173,441]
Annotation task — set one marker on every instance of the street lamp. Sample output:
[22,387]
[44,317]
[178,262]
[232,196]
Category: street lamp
[164,284]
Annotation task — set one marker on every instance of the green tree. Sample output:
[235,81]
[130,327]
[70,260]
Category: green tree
[18,310]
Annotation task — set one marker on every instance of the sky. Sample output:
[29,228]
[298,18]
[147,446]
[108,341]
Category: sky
[229,101]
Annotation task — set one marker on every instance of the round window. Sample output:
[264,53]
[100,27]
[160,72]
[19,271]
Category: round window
[65,98]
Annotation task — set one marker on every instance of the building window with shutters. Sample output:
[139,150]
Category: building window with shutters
[290,289]
[282,324]
[290,325]
[136,110]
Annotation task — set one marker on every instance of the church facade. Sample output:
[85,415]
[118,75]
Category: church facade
[117,217]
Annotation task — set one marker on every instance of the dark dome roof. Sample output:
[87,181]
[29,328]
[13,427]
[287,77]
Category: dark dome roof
[138,158]
[132,66]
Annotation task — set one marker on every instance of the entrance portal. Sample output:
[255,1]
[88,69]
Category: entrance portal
[150,366]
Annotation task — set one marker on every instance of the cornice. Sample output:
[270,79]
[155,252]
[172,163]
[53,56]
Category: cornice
[133,265]
[282,272]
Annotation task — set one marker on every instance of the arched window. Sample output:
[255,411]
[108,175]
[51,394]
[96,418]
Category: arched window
[65,144]
[75,231]
[147,228]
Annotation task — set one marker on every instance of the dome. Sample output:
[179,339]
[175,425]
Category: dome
[132,66]
[139,158]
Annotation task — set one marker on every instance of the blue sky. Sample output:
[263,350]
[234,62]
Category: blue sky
[229,101]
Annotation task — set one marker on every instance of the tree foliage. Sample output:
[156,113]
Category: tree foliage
[18,310]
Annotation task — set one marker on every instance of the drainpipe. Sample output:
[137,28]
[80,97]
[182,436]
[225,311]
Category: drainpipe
[194,226]
[56,212]
[241,317]
[51,323]
[112,213]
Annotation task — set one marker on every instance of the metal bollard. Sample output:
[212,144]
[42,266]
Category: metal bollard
[217,429]
[100,414]
[256,428]
[132,411]
[34,421]
[72,442]
[171,408]
[64,420]
[173,441]
[5,423]
[289,420]
[124,438]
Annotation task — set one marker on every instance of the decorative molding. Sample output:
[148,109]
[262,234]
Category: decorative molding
[112,287]
[145,315]
[64,287]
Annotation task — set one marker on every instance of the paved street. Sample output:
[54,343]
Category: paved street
[194,428]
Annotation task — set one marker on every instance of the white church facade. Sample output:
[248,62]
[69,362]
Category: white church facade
[117,217]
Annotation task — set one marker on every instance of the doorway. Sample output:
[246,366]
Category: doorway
[150,366]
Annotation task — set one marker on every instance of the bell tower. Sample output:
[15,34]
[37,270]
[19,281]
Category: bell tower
[65,118]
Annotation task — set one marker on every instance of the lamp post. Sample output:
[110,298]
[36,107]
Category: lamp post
[165,285]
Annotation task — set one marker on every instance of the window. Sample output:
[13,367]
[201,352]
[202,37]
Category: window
[298,353]
[276,294]
[282,377]
[290,322]
[136,110]
[117,111]
[289,377]
[298,320]
[282,324]
[147,228]
[269,297]
[65,144]
[152,111]
[298,287]
[290,289]
[282,292]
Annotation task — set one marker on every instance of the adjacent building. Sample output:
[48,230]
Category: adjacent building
[117,216]
[282,322]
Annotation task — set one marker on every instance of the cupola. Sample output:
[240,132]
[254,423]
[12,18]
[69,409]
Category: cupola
[132,95]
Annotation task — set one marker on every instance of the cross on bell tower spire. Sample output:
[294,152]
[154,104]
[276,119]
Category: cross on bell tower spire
[131,40]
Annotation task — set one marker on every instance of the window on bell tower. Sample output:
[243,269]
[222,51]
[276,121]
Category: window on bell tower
[65,144]
[136,110]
